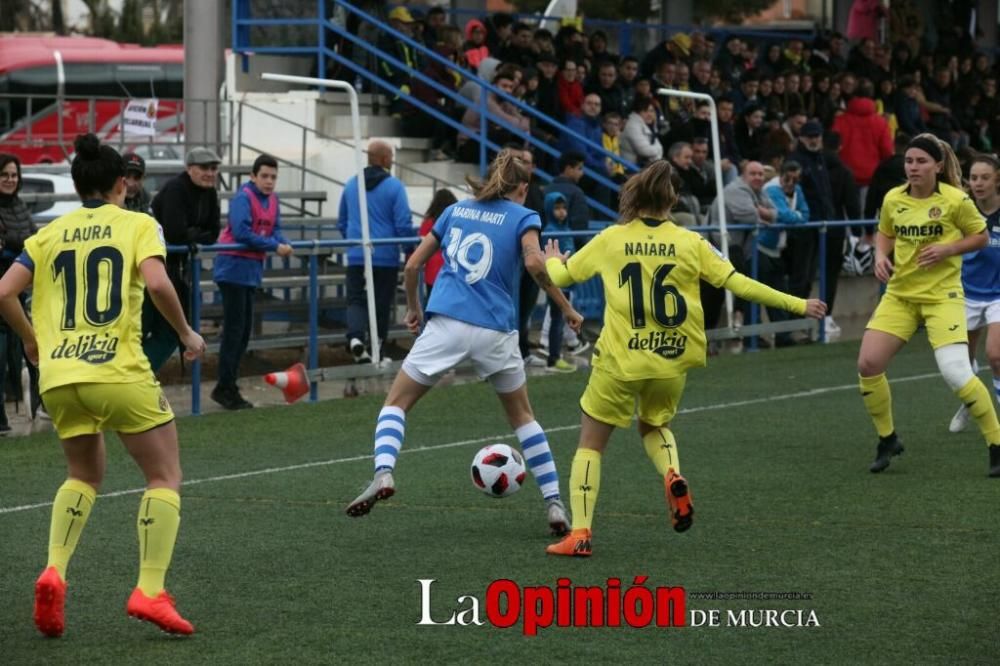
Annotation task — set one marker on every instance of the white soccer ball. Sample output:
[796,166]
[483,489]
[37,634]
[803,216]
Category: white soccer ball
[498,470]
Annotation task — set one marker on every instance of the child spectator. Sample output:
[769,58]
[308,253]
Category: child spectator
[556,214]
[441,200]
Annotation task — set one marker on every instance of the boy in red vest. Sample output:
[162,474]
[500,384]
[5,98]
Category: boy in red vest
[254,221]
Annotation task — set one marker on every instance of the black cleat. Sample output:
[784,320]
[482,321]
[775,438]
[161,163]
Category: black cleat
[994,461]
[887,448]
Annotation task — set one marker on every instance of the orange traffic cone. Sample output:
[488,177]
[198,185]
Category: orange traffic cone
[293,382]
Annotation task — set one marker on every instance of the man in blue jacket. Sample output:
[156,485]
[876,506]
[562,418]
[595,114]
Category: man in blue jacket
[790,206]
[388,217]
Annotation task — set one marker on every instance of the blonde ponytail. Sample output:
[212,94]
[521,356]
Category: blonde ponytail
[506,173]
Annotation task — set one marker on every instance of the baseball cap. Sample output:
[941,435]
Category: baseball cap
[812,128]
[202,155]
[401,14]
[682,41]
[135,162]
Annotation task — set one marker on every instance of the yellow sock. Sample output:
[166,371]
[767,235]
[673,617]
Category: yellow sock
[159,519]
[977,398]
[70,511]
[584,482]
[661,447]
[878,402]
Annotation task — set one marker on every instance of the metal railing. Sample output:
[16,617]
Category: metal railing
[242,21]
[313,250]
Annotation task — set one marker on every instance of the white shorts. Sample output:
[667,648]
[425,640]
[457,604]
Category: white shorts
[446,342]
[979,314]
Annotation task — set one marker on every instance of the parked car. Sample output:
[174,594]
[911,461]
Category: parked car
[43,212]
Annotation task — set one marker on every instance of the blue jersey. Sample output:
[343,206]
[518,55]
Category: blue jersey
[481,245]
[981,269]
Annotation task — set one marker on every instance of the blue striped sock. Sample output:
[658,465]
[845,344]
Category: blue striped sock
[389,432]
[538,457]
[996,387]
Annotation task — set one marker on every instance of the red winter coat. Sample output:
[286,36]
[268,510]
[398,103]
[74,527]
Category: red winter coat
[436,262]
[570,96]
[865,138]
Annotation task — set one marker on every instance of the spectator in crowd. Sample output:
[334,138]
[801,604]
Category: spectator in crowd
[728,149]
[640,143]
[136,197]
[441,200]
[588,126]
[187,208]
[519,50]
[475,48]
[750,133]
[388,216]
[746,93]
[704,167]
[569,44]
[628,73]
[675,49]
[16,226]
[569,89]
[701,75]
[791,208]
[402,21]
[692,187]
[745,203]
[543,43]
[938,100]
[254,221]
[499,31]
[434,22]
[611,126]
[801,252]
[598,47]
[518,125]
[606,87]
[730,61]
[556,215]
[570,172]
[865,140]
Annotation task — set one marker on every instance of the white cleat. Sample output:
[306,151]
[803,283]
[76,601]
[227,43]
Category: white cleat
[382,487]
[558,518]
[960,420]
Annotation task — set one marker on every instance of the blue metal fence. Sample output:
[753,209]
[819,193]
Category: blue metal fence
[591,295]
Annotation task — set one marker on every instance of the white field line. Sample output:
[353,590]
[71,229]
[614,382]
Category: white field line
[479,440]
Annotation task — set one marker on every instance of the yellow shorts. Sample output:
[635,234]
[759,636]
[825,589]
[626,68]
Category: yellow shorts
[613,401]
[945,320]
[88,408]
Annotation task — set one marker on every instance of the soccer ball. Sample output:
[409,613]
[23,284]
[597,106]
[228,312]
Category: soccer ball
[498,470]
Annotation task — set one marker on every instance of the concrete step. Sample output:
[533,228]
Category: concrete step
[438,173]
[339,125]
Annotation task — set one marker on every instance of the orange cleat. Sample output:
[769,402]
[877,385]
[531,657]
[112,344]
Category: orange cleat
[576,544]
[50,603]
[679,500]
[159,610]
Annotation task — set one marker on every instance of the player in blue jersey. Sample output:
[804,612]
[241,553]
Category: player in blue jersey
[981,276]
[471,317]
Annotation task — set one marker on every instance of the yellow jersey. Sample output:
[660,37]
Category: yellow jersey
[87,294]
[948,215]
[654,325]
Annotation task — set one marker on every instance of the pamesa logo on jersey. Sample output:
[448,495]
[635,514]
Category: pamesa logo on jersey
[94,349]
[662,343]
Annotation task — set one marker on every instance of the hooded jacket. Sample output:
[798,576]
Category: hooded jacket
[474,54]
[552,224]
[388,216]
[865,138]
